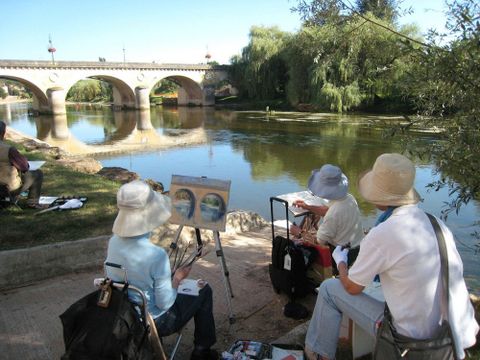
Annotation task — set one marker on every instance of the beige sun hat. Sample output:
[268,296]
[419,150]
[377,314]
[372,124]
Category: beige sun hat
[140,209]
[390,181]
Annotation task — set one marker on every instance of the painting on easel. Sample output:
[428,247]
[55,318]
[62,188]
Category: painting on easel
[199,202]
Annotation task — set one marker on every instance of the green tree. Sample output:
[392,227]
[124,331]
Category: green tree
[382,9]
[349,64]
[3,93]
[339,60]
[447,87]
[320,12]
[165,86]
[261,71]
[90,90]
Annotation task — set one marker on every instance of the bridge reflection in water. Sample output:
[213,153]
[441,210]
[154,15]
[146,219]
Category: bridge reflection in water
[133,131]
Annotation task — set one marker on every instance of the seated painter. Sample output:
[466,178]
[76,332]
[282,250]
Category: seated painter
[15,174]
[341,223]
[141,210]
[404,251]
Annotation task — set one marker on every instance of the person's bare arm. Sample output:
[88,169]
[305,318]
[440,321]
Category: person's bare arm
[180,274]
[17,160]
[317,210]
[340,255]
[350,286]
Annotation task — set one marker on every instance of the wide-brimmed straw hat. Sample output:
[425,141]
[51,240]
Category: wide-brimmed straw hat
[328,182]
[390,181]
[140,209]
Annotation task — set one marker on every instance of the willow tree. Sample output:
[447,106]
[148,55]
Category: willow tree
[260,70]
[349,64]
[339,60]
[299,55]
[90,90]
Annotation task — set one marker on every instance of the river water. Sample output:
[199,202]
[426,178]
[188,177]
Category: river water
[262,154]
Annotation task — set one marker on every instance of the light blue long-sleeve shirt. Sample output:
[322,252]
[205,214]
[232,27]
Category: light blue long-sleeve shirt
[148,268]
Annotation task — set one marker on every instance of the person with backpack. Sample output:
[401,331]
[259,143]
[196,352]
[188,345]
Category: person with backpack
[403,250]
[141,210]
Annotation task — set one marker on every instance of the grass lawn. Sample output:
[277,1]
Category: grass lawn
[20,228]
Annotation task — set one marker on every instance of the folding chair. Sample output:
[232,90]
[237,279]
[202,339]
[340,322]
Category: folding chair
[7,197]
[155,339]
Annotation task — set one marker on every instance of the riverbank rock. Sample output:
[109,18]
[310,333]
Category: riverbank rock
[239,221]
[118,174]
[84,164]
[32,144]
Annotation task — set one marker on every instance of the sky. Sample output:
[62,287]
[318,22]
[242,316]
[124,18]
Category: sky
[175,31]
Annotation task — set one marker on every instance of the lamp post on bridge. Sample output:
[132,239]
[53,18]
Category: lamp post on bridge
[208,56]
[51,49]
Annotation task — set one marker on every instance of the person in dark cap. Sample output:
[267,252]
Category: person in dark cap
[15,174]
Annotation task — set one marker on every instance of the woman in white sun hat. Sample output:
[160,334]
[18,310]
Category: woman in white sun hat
[403,250]
[141,210]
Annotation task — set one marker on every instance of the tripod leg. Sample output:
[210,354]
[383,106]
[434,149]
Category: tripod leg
[226,279]
[174,248]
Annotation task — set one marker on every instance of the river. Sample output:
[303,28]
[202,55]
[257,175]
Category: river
[262,154]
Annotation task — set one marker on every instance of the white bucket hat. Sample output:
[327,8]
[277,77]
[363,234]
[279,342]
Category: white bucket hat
[390,181]
[328,182]
[140,209]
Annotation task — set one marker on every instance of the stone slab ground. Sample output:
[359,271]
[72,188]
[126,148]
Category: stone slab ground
[30,328]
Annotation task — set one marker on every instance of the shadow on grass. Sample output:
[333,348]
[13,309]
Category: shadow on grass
[21,228]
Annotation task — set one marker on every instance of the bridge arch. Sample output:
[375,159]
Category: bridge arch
[40,99]
[190,92]
[123,94]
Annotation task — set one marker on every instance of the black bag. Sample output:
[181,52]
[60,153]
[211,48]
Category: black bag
[290,279]
[391,345]
[288,270]
[97,332]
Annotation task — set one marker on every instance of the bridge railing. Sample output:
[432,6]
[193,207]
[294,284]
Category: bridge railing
[107,65]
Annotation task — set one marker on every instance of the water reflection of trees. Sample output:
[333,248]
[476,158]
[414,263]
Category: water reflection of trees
[294,149]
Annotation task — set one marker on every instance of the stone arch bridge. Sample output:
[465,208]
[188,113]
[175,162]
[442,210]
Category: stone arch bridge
[131,82]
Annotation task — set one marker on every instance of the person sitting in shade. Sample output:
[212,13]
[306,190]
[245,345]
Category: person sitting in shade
[140,211]
[341,224]
[403,250]
[15,174]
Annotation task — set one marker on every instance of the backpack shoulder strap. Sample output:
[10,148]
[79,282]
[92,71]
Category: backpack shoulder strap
[442,246]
